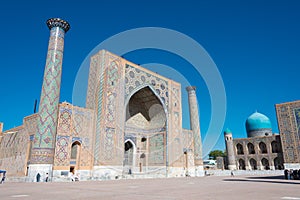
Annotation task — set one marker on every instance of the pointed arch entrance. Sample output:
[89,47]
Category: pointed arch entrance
[242,165]
[75,156]
[129,154]
[253,164]
[146,124]
[265,164]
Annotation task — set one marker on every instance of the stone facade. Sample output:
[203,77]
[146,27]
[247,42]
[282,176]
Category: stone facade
[258,153]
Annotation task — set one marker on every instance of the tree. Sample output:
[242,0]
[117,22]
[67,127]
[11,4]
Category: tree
[216,153]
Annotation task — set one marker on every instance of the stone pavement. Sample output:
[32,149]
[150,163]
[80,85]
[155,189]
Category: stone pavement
[211,187]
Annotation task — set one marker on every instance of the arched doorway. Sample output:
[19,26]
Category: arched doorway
[278,163]
[265,164]
[242,165]
[146,113]
[129,155]
[253,164]
[75,156]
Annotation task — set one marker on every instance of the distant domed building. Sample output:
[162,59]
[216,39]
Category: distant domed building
[261,150]
[258,124]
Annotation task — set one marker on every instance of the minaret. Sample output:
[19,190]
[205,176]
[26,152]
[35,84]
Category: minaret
[195,127]
[42,153]
[229,149]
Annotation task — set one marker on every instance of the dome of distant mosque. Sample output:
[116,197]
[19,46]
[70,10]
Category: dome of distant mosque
[227,131]
[258,122]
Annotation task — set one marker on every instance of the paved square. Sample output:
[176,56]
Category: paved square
[212,187]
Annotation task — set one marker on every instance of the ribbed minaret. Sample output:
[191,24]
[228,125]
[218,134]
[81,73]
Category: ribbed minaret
[195,127]
[229,150]
[42,152]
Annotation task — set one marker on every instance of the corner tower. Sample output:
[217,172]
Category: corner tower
[229,149]
[195,127]
[42,153]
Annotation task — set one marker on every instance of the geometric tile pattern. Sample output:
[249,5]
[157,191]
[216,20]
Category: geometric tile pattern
[111,130]
[80,123]
[288,117]
[48,108]
[61,153]
[156,149]
[95,96]
[64,121]
[135,77]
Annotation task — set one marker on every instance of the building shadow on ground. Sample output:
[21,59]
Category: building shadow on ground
[279,177]
[267,179]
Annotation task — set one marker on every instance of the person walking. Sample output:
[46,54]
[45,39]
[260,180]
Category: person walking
[47,177]
[3,179]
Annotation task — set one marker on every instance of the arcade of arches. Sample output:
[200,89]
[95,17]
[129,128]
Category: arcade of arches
[255,154]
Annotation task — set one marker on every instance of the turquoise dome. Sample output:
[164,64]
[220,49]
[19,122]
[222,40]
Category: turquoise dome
[227,131]
[257,121]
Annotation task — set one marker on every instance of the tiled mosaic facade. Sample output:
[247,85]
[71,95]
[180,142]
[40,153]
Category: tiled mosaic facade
[132,124]
[75,125]
[288,118]
[135,105]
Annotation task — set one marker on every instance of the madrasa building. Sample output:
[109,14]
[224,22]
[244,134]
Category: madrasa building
[131,125]
[261,150]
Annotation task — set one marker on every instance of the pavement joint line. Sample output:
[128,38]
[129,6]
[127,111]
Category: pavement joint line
[19,195]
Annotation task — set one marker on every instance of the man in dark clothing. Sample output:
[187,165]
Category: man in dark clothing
[295,174]
[38,177]
[286,174]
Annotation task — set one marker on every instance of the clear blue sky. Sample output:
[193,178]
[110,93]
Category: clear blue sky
[254,44]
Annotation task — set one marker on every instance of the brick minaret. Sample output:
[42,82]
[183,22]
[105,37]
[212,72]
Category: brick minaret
[195,127]
[42,153]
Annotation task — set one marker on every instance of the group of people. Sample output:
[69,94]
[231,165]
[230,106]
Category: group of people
[292,174]
[38,177]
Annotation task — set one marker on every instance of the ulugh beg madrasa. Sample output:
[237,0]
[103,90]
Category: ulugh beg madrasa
[131,125]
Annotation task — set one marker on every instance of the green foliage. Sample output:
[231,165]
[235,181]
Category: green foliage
[216,153]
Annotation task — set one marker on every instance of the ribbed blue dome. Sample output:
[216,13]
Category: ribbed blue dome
[227,131]
[257,121]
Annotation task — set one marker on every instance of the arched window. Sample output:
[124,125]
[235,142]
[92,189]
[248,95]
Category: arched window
[265,163]
[239,149]
[275,147]
[251,149]
[75,150]
[263,148]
